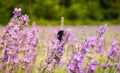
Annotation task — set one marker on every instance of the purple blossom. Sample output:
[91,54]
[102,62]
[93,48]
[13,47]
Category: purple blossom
[84,48]
[7,72]
[59,40]
[67,35]
[25,18]
[16,50]
[113,50]
[34,42]
[104,66]
[17,12]
[92,67]
[26,60]
[99,47]
[101,30]
[76,63]
[91,41]
[118,67]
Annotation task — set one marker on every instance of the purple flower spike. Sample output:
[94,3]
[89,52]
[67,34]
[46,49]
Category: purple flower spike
[113,51]
[25,19]
[92,67]
[118,67]
[17,12]
[27,60]
[91,41]
[18,45]
[101,30]
[76,63]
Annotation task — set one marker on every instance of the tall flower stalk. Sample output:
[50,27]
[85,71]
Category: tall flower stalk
[19,46]
[56,49]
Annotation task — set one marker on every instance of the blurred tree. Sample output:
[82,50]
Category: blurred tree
[99,10]
[111,9]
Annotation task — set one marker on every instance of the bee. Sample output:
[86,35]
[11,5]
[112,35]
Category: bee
[60,35]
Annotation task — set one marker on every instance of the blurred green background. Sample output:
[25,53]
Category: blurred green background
[75,12]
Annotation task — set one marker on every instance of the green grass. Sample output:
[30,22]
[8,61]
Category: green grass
[43,22]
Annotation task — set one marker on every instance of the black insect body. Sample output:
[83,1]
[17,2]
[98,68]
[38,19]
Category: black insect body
[60,35]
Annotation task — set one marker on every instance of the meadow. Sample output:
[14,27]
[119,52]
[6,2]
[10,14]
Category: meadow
[58,49]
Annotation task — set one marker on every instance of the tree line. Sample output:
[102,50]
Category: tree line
[98,10]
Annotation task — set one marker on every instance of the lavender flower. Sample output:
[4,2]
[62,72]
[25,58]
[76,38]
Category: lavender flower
[7,72]
[76,63]
[91,41]
[25,18]
[92,67]
[99,46]
[16,40]
[104,66]
[17,12]
[97,42]
[57,48]
[113,51]
[118,68]
[101,30]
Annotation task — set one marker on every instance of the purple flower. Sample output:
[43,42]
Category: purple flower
[25,18]
[7,72]
[118,67]
[99,47]
[17,12]
[67,37]
[91,41]
[113,50]
[76,63]
[92,67]
[104,66]
[15,44]
[27,60]
[84,48]
[101,30]
[34,42]
[72,67]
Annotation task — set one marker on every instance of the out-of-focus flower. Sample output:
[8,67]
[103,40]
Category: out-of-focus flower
[118,67]
[17,12]
[67,35]
[25,18]
[99,47]
[26,60]
[113,51]
[104,66]
[92,67]
[91,41]
[19,46]
[76,63]
[7,72]
[101,30]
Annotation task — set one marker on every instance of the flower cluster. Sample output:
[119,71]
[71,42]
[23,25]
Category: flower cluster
[113,51]
[76,63]
[19,46]
[92,67]
[59,41]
